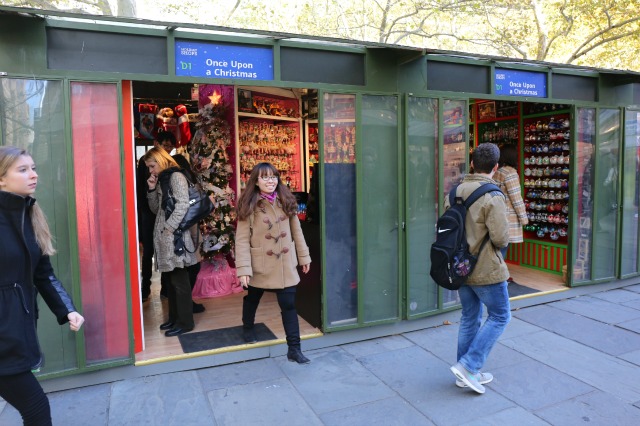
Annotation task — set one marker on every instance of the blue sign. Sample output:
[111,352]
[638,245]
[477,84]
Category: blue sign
[521,83]
[214,60]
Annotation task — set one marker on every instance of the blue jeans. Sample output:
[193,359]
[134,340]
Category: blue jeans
[475,341]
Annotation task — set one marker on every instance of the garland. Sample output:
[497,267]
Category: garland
[210,161]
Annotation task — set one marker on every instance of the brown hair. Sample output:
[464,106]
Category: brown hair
[251,194]
[160,156]
[8,156]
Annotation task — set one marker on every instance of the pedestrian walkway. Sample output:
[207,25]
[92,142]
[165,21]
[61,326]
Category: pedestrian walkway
[569,362]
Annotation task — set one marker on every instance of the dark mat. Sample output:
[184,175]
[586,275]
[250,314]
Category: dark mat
[223,337]
[516,289]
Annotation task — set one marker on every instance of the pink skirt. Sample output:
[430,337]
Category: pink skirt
[216,279]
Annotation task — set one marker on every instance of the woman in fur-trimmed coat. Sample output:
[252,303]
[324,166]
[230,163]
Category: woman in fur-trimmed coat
[269,246]
[164,174]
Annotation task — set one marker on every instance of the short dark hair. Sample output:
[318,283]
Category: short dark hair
[166,136]
[509,156]
[485,157]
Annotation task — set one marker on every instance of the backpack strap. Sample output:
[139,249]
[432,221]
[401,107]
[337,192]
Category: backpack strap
[479,192]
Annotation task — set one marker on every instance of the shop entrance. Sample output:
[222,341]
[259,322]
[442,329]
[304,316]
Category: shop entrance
[539,135]
[264,124]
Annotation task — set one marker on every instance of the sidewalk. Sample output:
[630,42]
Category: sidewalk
[570,362]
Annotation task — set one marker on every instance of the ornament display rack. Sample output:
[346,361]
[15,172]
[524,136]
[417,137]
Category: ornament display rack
[454,152]
[546,163]
[269,130]
[312,153]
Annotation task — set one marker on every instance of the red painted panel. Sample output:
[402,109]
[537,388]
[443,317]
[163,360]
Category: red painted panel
[98,186]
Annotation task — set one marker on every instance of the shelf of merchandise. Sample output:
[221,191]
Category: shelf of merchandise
[545,170]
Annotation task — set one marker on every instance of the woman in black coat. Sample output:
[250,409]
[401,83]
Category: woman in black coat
[25,266]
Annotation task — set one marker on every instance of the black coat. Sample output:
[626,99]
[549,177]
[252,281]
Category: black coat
[24,268]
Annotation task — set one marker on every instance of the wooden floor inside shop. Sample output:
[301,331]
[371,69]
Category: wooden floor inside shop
[220,312]
[534,278]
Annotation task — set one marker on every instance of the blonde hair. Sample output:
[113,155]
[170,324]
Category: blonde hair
[161,157]
[8,156]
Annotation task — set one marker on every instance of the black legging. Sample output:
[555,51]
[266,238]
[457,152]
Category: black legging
[287,303]
[25,394]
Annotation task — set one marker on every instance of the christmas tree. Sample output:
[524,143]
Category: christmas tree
[210,161]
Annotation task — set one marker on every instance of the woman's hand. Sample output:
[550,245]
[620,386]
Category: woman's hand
[75,321]
[244,281]
[305,268]
[152,181]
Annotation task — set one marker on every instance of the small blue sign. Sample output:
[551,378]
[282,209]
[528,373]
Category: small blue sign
[521,83]
[215,60]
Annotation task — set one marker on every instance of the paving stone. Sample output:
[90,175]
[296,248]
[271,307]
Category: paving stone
[440,341]
[511,416]
[617,296]
[633,357]
[82,406]
[242,373]
[533,385]
[607,338]
[387,412]
[595,408]
[633,325]
[167,399]
[427,383]
[635,304]
[375,346]
[634,288]
[517,327]
[334,380]
[271,402]
[597,309]
[602,371]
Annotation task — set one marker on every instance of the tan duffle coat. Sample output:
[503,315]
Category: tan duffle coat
[269,246]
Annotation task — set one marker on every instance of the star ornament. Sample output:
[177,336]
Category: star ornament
[215,98]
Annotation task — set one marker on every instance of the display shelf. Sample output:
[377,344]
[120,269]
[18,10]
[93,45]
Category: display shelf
[276,139]
[312,153]
[546,168]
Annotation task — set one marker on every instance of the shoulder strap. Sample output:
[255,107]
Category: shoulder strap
[479,192]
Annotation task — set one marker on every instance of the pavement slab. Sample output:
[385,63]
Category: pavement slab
[374,346]
[167,399]
[334,380]
[633,325]
[634,288]
[619,295]
[533,385]
[271,402]
[597,309]
[427,383]
[602,371]
[594,409]
[635,304]
[242,373]
[511,416]
[393,411]
[604,337]
[633,357]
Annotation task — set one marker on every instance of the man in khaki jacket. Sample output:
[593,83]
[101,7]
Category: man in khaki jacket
[487,283]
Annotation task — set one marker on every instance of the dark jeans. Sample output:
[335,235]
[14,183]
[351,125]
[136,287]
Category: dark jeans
[180,304]
[146,239]
[25,394]
[287,303]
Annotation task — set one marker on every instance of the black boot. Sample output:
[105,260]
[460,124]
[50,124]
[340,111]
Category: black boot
[294,354]
[292,331]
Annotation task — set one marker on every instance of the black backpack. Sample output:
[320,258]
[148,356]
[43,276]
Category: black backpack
[451,261]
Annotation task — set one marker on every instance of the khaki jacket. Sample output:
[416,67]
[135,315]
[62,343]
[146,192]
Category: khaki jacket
[487,214]
[269,246]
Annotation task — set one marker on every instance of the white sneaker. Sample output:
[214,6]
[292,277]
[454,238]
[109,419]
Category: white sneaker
[468,378]
[483,379]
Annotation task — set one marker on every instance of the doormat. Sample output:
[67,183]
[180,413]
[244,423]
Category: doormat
[221,338]
[516,289]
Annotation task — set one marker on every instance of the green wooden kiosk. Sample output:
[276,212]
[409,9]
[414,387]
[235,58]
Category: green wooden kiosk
[380,133]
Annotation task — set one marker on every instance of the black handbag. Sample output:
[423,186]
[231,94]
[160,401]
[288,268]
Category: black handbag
[200,206]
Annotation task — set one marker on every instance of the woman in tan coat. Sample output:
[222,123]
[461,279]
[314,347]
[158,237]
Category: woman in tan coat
[171,259]
[509,182]
[269,246]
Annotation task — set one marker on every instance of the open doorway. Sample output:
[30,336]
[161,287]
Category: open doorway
[539,134]
[264,124]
